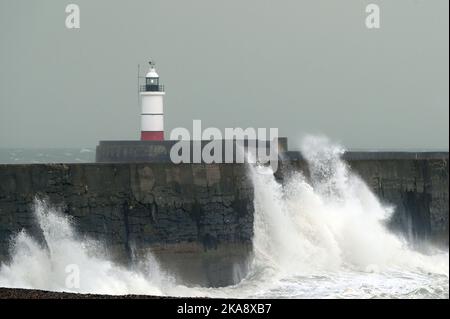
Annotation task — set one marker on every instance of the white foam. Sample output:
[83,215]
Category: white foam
[317,237]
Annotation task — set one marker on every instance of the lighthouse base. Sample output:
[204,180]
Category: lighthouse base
[158,151]
[152,136]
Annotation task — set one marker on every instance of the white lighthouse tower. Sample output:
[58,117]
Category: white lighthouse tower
[152,115]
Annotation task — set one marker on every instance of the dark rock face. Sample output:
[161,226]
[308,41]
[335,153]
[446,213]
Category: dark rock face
[419,191]
[199,215]
[417,187]
[196,218]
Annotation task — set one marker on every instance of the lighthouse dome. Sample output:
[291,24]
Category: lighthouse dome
[152,73]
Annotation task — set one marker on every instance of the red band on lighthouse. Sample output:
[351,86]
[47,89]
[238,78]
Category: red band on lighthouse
[152,136]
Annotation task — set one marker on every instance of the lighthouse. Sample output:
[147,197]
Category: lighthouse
[152,114]
[153,148]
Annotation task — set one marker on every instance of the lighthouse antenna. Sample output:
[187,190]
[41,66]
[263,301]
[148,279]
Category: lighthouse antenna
[138,83]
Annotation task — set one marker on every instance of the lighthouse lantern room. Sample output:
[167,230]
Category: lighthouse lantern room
[152,114]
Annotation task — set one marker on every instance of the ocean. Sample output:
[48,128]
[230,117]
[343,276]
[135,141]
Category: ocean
[317,237]
[46,155]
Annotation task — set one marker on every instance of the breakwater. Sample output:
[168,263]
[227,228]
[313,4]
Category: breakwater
[198,218]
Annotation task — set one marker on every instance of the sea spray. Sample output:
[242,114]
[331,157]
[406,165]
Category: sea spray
[323,234]
[328,222]
[47,265]
[317,235]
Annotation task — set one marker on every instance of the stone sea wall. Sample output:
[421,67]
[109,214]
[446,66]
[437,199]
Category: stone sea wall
[198,218]
[416,185]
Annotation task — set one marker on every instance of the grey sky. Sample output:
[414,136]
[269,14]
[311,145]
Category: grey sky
[302,66]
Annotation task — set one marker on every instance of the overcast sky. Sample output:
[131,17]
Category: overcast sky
[302,66]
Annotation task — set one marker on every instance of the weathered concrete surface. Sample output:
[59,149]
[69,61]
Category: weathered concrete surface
[416,184]
[198,219]
[419,191]
[160,151]
[201,214]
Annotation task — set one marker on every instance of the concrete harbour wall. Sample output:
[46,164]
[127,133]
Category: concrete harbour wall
[198,218]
